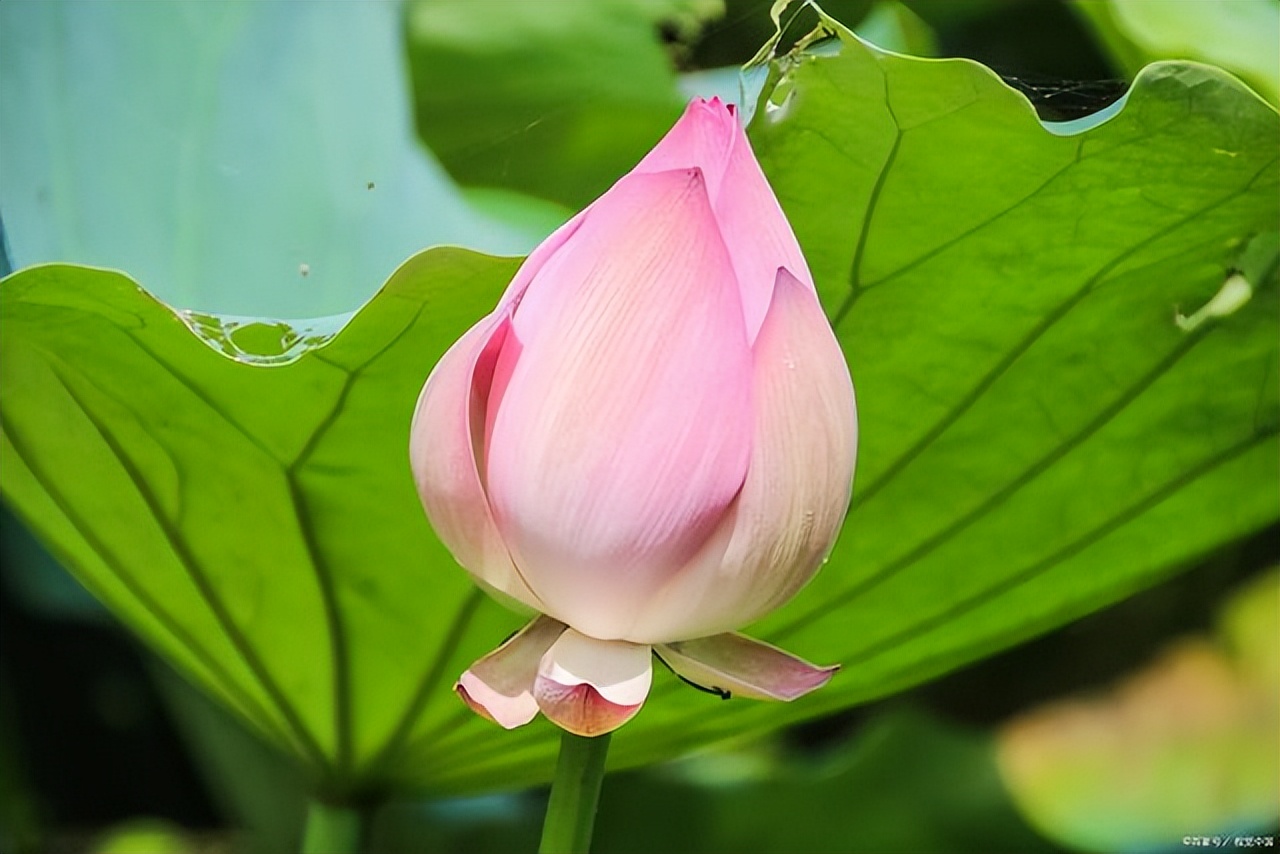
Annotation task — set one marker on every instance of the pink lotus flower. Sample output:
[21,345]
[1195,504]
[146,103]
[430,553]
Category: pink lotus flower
[650,441]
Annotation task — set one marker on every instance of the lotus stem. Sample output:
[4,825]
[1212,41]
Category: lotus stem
[575,792]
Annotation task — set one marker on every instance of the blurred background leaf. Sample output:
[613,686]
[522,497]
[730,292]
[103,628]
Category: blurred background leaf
[868,794]
[593,92]
[906,782]
[246,158]
[893,26]
[145,836]
[1189,746]
[562,98]
[1238,35]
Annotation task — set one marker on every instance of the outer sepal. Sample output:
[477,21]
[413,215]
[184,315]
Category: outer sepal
[736,665]
[500,685]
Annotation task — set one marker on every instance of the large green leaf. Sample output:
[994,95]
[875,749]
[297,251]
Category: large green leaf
[1040,437]
[256,524]
[249,158]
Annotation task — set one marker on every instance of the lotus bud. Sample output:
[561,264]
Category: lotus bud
[649,442]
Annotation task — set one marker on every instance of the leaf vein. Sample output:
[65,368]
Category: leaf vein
[194,572]
[1001,367]
[430,679]
[1045,564]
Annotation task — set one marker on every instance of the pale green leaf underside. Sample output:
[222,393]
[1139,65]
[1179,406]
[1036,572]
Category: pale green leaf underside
[249,158]
[1039,437]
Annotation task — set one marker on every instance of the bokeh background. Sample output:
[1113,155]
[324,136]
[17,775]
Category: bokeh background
[1097,736]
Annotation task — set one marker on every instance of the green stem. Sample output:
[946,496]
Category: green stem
[331,829]
[571,812]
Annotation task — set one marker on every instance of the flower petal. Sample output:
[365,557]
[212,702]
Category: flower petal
[736,665]
[500,685]
[591,687]
[797,488]
[702,138]
[443,457]
[618,441]
[759,238]
[537,258]
[806,435]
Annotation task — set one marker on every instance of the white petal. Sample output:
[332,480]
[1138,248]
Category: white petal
[500,685]
[590,686]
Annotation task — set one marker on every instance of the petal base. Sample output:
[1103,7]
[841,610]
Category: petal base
[589,686]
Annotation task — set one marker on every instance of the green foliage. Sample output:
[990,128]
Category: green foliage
[893,26]
[593,91]
[144,836]
[1238,35]
[1039,436]
[904,783]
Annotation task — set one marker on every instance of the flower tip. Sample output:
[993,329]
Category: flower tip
[801,681]
[711,107]
[812,681]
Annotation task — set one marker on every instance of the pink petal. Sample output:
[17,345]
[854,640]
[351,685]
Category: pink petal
[591,687]
[619,438]
[797,488]
[739,666]
[537,258]
[443,457]
[702,138]
[500,685]
[759,238]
